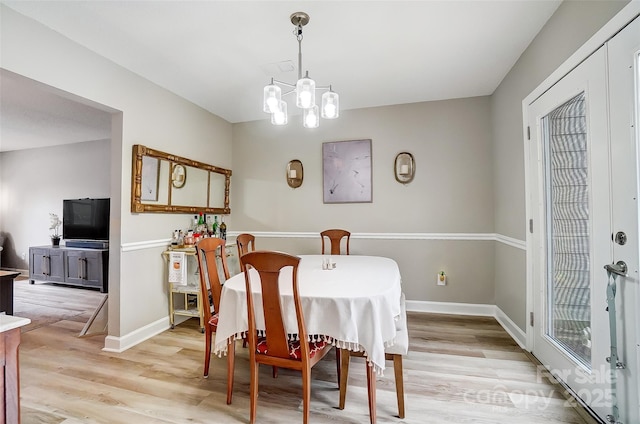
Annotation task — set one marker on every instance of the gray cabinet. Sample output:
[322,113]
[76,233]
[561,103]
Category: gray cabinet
[69,265]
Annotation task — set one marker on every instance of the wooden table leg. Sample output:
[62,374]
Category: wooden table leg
[12,375]
[345,357]
[2,385]
[6,291]
[371,388]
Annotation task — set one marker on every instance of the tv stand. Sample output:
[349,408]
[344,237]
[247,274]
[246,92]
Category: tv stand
[87,244]
[88,267]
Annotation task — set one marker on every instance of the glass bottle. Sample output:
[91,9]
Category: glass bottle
[208,225]
[180,238]
[194,224]
[215,226]
[223,229]
[200,226]
[174,238]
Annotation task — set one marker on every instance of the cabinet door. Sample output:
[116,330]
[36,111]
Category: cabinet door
[57,265]
[46,264]
[75,267]
[93,269]
[38,264]
[84,268]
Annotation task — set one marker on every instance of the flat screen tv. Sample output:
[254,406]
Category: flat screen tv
[85,219]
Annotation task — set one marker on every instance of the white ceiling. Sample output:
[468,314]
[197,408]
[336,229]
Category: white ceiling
[34,115]
[219,54]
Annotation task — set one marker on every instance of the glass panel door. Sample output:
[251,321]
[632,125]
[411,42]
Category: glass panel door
[569,186]
[582,177]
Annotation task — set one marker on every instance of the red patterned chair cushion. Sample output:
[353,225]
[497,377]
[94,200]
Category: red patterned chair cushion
[213,323]
[294,348]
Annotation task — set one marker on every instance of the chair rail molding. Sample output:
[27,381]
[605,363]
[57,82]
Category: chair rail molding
[510,241]
[146,244]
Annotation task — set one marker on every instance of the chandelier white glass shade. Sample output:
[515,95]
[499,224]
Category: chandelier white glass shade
[304,89]
[279,116]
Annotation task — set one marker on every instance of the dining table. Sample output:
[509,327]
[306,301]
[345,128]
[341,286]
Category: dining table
[353,304]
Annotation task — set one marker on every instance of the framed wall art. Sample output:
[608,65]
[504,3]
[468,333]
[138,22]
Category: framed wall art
[346,171]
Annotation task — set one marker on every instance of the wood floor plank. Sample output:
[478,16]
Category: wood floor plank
[458,370]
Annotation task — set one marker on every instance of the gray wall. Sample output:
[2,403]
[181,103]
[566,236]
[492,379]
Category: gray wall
[33,184]
[451,194]
[142,113]
[570,26]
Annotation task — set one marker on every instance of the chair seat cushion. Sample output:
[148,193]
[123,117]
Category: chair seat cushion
[213,323]
[401,345]
[294,348]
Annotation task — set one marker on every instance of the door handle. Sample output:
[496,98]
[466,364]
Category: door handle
[619,268]
[80,268]
[45,266]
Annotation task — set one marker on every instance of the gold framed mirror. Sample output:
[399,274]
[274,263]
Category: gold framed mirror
[159,184]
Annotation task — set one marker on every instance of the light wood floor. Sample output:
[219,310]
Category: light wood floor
[458,370]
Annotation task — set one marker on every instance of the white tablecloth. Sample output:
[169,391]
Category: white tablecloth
[355,305]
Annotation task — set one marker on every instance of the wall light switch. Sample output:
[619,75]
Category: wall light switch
[441,279]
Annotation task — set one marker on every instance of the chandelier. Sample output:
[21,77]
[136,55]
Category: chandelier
[305,90]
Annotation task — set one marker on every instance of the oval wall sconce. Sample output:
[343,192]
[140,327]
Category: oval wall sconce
[295,173]
[404,167]
[178,176]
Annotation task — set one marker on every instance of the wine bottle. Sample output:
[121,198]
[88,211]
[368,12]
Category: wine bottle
[223,229]
[215,226]
[209,226]
[200,226]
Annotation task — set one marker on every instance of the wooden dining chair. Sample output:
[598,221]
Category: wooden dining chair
[392,353]
[246,243]
[335,236]
[210,292]
[274,346]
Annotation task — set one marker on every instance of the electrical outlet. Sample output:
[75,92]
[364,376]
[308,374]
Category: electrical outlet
[441,279]
[24,256]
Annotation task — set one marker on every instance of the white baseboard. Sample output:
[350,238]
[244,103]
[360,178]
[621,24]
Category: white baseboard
[451,308]
[509,326]
[120,344]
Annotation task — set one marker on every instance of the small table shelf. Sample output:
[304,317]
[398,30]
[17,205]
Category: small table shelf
[185,299]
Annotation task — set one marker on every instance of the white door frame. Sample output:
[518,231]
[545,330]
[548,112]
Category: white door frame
[626,15]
